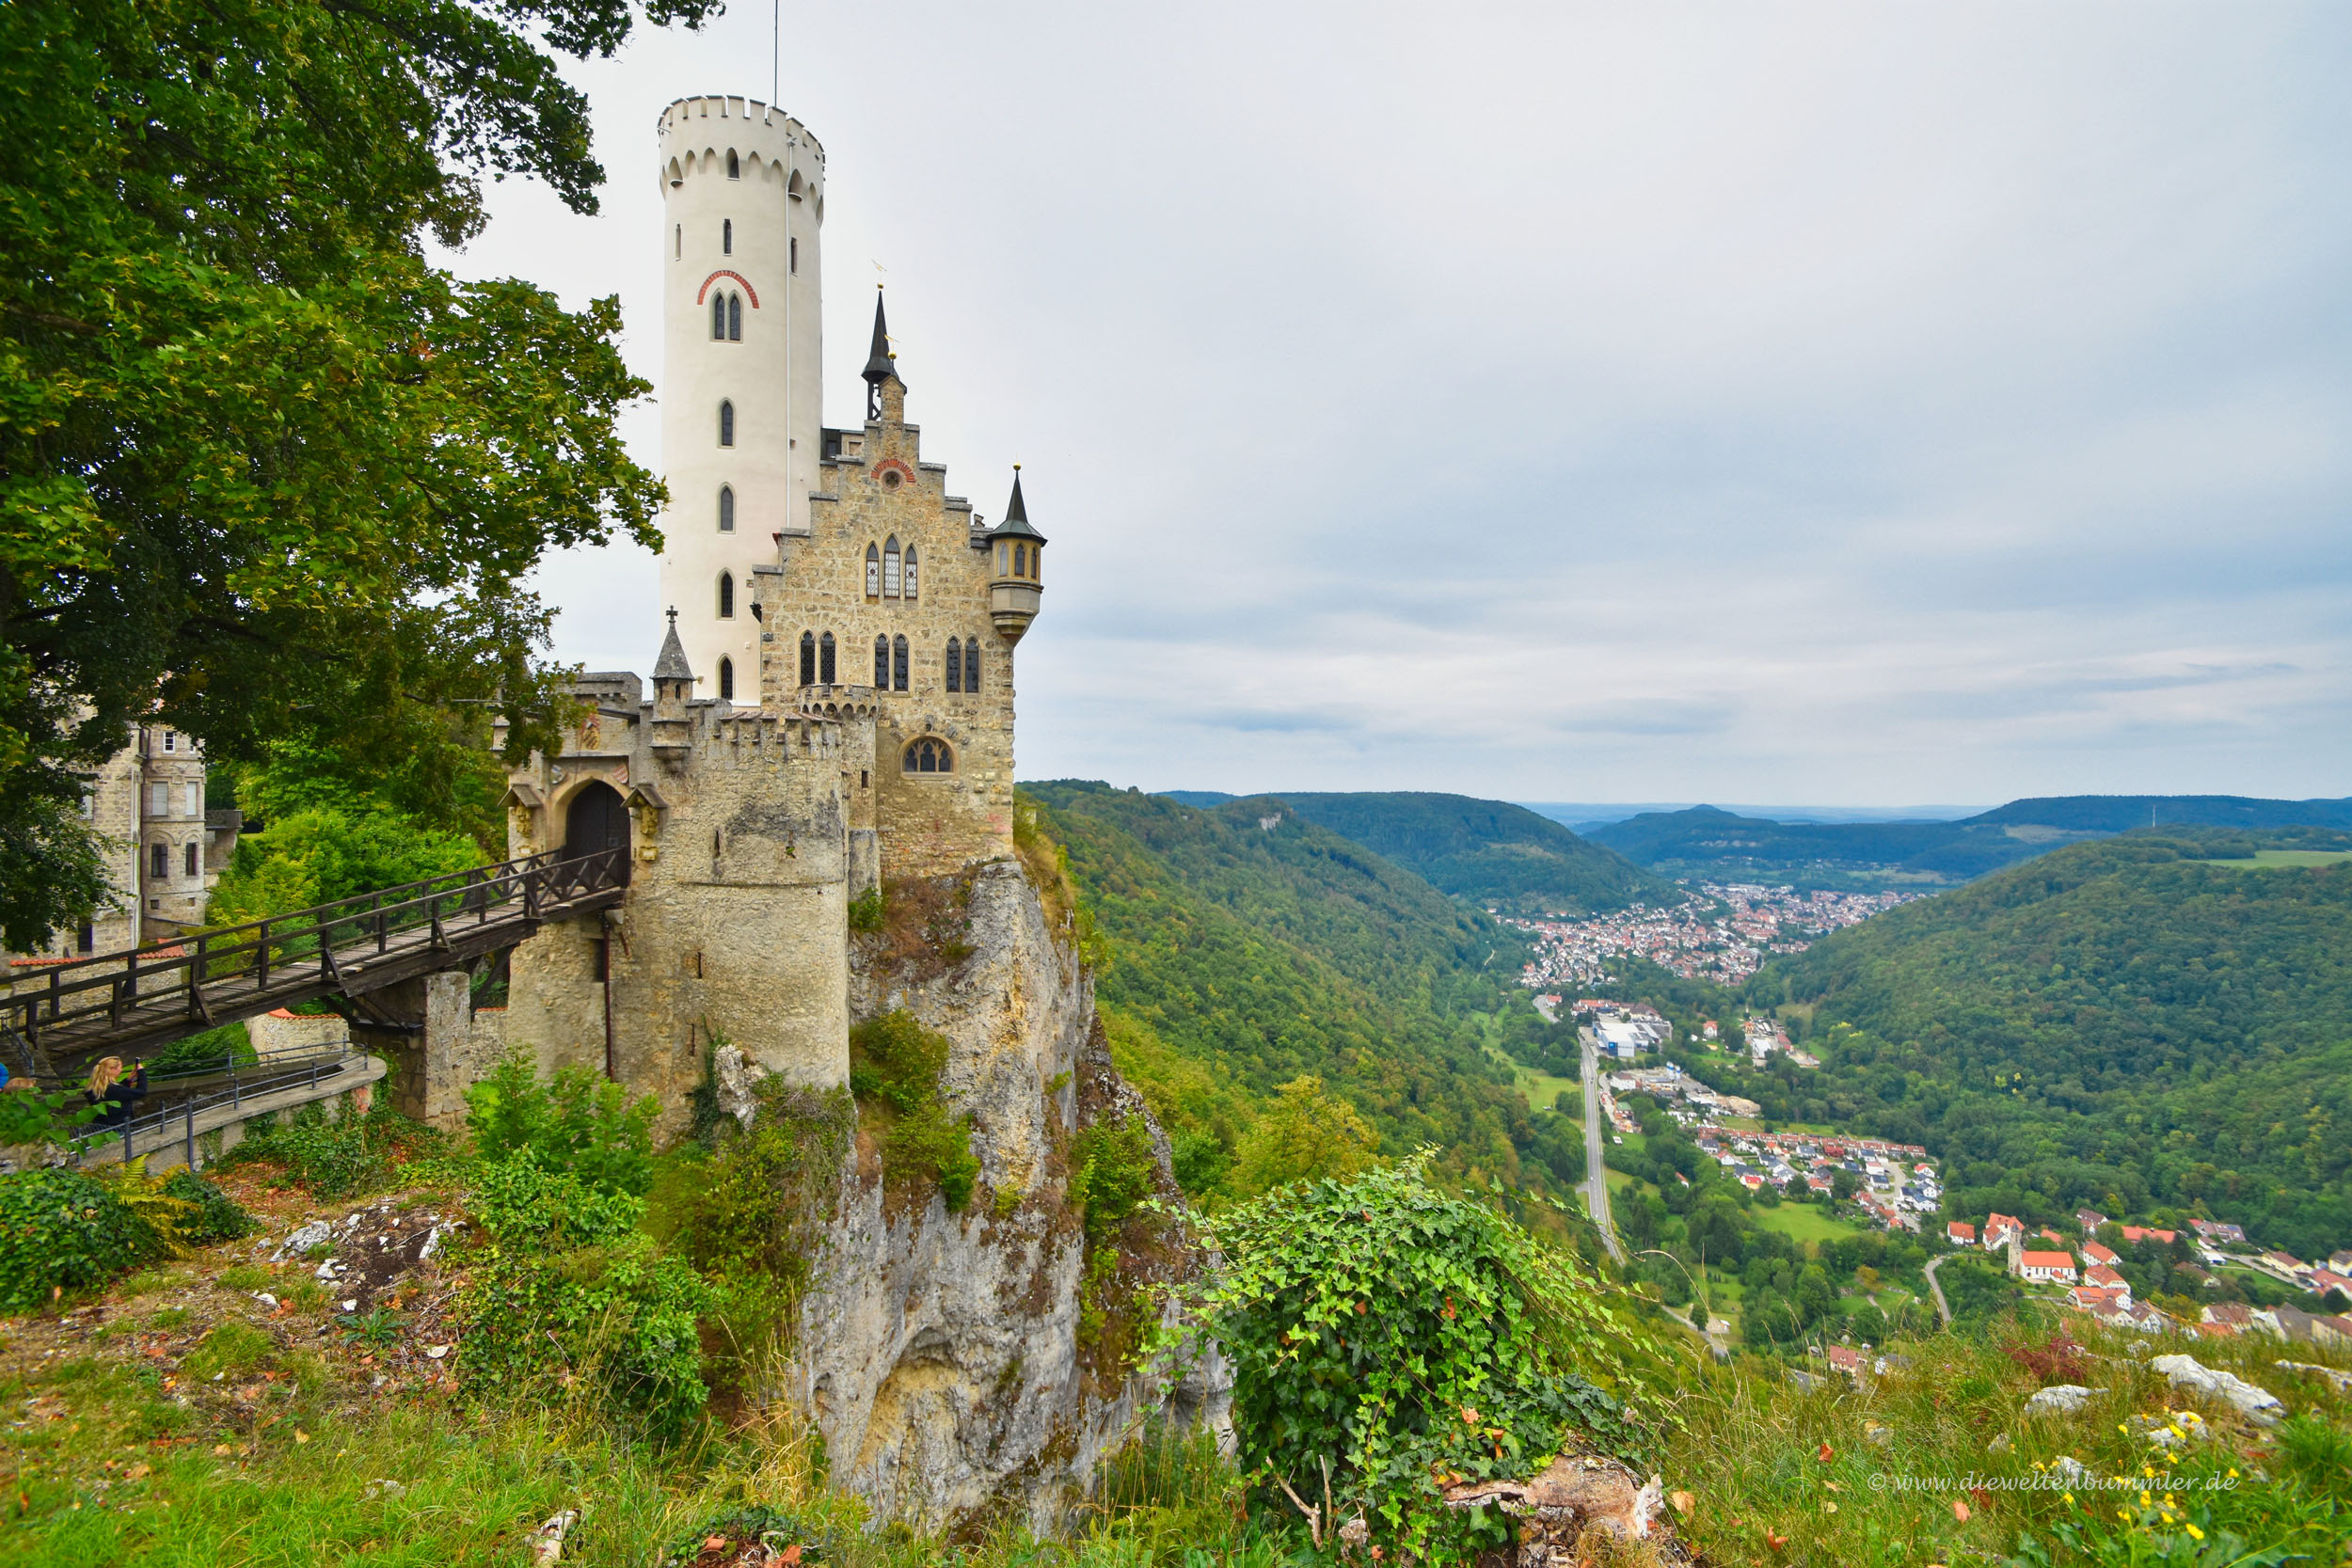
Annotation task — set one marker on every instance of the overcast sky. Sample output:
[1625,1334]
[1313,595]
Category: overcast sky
[1869,403]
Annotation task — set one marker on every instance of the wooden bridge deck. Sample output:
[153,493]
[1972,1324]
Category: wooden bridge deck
[134,1001]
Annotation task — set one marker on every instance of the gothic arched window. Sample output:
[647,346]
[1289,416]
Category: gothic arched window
[890,567]
[718,318]
[808,658]
[873,571]
[910,583]
[726,595]
[955,664]
[726,236]
[727,509]
[735,170]
[972,666]
[898,664]
[824,659]
[735,318]
[927,754]
[726,422]
[881,663]
[726,679]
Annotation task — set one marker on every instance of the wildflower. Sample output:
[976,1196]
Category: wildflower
[2070,1497]
[2195,1535]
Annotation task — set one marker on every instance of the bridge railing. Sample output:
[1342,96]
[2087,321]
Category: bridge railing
[304,948]
[242,1083]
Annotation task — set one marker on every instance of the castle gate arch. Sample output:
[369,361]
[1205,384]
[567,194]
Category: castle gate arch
[598,818]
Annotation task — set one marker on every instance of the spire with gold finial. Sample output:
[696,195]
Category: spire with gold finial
[881,364]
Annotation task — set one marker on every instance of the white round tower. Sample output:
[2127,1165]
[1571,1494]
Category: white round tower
[743,196]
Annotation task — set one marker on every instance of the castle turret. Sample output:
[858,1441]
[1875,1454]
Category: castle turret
[881,364]
[1017,583]
[742,436]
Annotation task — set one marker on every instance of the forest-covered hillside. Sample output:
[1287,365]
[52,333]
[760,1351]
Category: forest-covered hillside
[2129,1022]
[1495,854]
[1706,842]
[1264,952]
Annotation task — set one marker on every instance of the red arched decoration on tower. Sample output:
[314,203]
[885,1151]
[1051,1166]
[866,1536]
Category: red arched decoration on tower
[723,272]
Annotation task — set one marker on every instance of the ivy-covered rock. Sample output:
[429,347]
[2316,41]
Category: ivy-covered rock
[1414,1341]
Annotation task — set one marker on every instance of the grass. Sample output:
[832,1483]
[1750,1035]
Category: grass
[1868,1476]
[2274,859]
[1542,1088]
[1803,1222]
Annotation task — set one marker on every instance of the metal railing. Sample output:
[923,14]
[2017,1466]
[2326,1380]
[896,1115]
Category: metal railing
[305,951]
[206,1088]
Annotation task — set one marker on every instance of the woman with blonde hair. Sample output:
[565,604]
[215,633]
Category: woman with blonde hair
[112,1093]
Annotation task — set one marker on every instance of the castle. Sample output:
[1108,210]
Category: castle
[833,704]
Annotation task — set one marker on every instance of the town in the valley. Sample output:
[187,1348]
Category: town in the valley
[1723,933]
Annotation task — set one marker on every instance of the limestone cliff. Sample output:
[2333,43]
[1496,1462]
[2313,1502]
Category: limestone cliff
[958,1363]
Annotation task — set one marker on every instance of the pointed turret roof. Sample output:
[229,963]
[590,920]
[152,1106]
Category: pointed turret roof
[1016,520]
[672,665]
[878,366]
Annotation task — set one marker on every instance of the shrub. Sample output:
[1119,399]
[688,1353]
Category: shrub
[1114,1167]
[865,911]
[213,1214]
[898,1064]
[1413,1340]
[333,1159]
[562,1282]
[213,1051]
[62,1229]
[577,1122]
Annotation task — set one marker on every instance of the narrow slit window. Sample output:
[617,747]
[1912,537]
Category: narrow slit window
[191,860]
[824,659]
[972,667]
[727,509]
[955,664]
[735,170]
[677,242]
[726,236]
[726,595]
[795,252]
[726,679]
[910,583]
[808,658]
[881,663]
[890,568]
[898,664]
[873,571]
[726,422]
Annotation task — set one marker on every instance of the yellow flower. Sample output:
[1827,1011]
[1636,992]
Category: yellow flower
[2233,1472]
[2144,1502]
[2070,1496]
[2196,1534]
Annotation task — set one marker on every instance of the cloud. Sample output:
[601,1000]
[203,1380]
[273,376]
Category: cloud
[1822,402]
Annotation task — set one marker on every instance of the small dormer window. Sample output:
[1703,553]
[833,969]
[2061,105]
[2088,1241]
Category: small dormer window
[735,170]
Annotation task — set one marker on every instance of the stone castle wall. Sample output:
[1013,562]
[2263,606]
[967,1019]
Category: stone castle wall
[878,489]
[736,924]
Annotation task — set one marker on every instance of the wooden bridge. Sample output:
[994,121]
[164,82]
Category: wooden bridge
[119,1003]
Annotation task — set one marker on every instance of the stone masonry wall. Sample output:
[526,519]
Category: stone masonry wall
[878,490]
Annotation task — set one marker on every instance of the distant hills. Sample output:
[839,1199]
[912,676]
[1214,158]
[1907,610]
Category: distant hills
[2158,1017]
[1497,855]
[1704,842]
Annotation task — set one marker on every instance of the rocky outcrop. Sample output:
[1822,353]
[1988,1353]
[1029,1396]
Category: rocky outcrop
[941,1354]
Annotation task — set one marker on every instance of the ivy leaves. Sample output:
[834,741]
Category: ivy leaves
[1413,1340]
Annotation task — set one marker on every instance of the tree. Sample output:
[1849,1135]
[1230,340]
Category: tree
[1306,1133]
[265,475]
